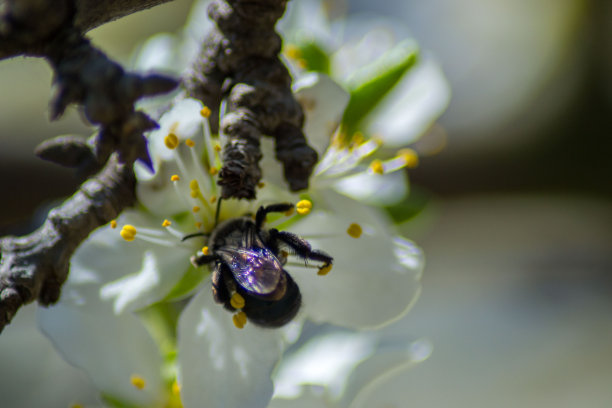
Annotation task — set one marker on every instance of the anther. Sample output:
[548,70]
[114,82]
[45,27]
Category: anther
[166,223]
[205,250]
[198,224]
[290,212]
[213,199]
[176,388]
[205,112]
[137,381]
[237,301]
[128,232]
[354,230]
[410,157]
[324,270]
[113,224]
[189,142]
[292,51]
[261,184]
[217,147]
[171,141]
[239,319]
[213,171]
[195,209]
[303,207]
[175,177]
[377,167]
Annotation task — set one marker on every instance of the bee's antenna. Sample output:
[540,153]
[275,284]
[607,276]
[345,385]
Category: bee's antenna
[195,234]
[218,211]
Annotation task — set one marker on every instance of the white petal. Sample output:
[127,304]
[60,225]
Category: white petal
[110,348]
[158,53]
[374,189]
[325,360]
[220,364]
[160,271]
[412,106]
[28,358]
[366,383]
[323,101]
[368,285]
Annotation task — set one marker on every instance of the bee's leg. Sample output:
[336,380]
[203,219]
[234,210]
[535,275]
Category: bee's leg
[302,248]
[201,260]
[260,217]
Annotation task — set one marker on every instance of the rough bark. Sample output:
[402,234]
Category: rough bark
[240,61]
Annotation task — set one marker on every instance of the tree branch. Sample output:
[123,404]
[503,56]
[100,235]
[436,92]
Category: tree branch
[34,267]
[239,60]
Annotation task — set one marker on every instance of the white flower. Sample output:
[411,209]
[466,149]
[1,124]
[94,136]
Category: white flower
[129,273]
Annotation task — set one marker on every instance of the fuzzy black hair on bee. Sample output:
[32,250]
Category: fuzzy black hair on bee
[248,275]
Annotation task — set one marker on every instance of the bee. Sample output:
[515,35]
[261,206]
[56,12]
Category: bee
[249,260]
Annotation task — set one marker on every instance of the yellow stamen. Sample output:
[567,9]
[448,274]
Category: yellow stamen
[175,177]
[113,224]
[195,188]
[217,148]
[303,207]
[137,381]
[239,319]
[290,211]
[357,139]
[205,250]
[354,230]
[324,270]
[166,223]
[205,112]
[213,171]
[237,301]
[292,51]
[261,184]
[213,199]
[198,224]
[171,141]
[189,142]
[195,209]
[128,232]
[176,388]
[302,63]
[410,157]
[377,167]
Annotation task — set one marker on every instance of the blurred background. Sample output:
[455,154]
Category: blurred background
[517,291]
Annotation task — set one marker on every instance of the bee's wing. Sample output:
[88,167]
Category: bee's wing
[255,269]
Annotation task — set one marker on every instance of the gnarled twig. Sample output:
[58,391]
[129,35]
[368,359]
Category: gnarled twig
[239,60]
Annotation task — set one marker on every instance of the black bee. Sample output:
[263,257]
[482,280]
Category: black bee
[248,260]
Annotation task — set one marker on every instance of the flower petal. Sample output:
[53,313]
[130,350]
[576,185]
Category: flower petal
[220,364]
[368,285]
[323,101]
[133,274]
[160,271]
[110,348]
[408,111]
[374,189]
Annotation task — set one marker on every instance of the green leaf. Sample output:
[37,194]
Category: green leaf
[369,85]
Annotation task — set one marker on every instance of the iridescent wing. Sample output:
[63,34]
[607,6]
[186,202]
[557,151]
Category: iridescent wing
[255,269]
